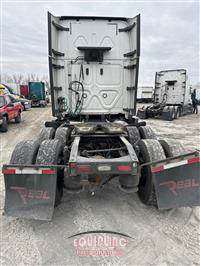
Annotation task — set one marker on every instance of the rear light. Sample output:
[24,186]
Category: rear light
[124,168]
[84,168]
[9,171]
[48,172]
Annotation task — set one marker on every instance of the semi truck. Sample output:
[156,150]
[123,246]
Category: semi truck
[37,94]
[95,136]
[145,94]
[172,96]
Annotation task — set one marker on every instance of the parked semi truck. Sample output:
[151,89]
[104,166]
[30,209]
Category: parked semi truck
[172,96]
[37,94]
[145,94]
[95,135]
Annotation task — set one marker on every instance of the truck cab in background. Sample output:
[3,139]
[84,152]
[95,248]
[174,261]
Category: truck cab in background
[171,98]
[37,94]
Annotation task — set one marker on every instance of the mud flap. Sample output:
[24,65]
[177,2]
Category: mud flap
[166,114]
[177,184]
[141,113]
[30,192]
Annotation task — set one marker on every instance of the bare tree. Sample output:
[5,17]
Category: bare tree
[17,78]
[6,78]
[24,78]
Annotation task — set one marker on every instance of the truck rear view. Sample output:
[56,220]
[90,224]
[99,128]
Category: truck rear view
[93,65]
[172,96]
[37,93]
[96,137]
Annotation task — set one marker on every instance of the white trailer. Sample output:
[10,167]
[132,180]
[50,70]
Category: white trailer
[172,96]
[145,94]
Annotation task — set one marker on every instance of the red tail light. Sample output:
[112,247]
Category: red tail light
[124,168]
[84,168]
[8,171]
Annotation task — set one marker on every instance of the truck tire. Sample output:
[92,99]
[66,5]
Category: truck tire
[62,134]
[46,133]
[133,135]
[172,113]
[146,132]
[4,126]
[18,118]
[150,150]
[178,112]
[172,147]
[25,152]
[49,153]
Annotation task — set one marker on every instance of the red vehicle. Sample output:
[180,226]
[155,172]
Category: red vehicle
[9,109]
[24,90]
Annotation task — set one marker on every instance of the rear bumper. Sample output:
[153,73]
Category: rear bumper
[79,165]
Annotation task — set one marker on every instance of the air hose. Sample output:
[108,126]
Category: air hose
[78,96]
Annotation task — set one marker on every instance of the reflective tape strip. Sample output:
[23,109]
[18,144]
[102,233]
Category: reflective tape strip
[171,165]
[9,171]
[163,167]
[28,171]
[194,160]
[157,169]
[44,171]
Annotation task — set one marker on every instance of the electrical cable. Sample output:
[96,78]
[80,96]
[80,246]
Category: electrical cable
[78,97]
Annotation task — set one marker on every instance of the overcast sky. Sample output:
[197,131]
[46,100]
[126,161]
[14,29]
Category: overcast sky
[169,34]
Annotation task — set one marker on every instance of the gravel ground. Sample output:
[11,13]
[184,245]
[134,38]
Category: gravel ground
[158,237]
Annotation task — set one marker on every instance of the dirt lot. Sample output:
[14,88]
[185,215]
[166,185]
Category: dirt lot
[158,237]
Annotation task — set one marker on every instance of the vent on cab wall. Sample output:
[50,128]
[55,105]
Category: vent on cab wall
[93,54]
[171,82]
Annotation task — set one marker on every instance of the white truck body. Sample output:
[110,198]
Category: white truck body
[110,83]
[145,93]
[171,87]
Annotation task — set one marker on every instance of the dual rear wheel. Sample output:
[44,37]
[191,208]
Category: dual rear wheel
[49,152]
[150,149]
